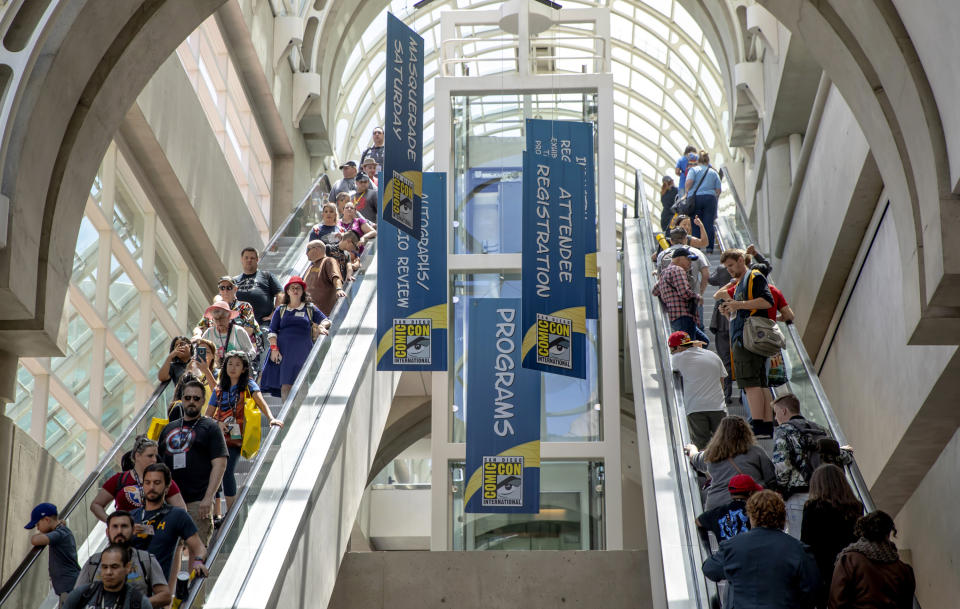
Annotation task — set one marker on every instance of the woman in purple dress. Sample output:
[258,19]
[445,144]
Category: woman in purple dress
[291,337]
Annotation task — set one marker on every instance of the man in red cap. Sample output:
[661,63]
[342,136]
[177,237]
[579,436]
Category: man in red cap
[730,520]
[703,373]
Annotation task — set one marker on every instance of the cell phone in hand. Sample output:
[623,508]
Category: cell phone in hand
[201,353]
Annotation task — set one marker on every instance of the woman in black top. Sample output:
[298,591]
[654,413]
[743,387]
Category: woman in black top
[668,195]
[829,516]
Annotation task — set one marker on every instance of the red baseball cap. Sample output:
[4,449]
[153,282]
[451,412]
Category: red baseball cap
[742,484]
[678,338]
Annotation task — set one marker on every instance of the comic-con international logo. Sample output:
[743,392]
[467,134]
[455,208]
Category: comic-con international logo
[553,341]
[411,341]
[502,481]
[402,205]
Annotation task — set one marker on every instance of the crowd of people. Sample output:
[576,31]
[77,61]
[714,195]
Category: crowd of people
[783,526]
[253,339]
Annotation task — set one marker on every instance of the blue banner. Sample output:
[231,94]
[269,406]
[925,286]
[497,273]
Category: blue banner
[574,144]
[503,413]
[403,128]
[554,267]
[412,287]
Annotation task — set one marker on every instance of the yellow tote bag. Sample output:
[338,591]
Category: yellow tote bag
[156,426]
[251,429]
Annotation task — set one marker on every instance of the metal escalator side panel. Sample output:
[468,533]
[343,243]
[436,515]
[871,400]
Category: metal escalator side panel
[299,525]
[670,512]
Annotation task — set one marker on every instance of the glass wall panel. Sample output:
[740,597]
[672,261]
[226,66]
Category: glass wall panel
[488,164]
[570,407]
[570,517]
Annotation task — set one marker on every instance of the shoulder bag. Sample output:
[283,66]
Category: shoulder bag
[686,204]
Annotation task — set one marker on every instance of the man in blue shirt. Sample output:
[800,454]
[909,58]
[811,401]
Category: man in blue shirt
[53,532]
[682,164]
[160,526]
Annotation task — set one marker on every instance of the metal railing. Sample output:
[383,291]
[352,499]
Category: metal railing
[295,398]
[804,381]
[675,484]
[155,406]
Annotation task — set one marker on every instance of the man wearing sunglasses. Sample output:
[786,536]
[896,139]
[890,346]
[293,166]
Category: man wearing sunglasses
[195,451]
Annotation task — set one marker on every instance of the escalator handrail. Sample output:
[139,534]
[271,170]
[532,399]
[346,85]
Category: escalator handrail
[281,230]
[92,478]
[826,408]
[300,385]
[674,397]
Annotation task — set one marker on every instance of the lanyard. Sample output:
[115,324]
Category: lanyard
[136,479]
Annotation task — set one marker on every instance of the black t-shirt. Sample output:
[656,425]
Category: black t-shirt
[177,368]
[259,289]
[202,441]
[170,525]
[726,521]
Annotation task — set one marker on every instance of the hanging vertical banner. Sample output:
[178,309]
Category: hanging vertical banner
[412,287]
[503,413]
[403,128]
[554,267]
[574,144]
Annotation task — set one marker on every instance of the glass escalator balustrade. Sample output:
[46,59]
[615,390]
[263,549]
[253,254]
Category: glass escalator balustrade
[29,585]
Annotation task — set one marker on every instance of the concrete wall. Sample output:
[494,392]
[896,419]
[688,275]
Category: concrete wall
[878,385]
[174,114]
[837,199]
[29,476]
[481,580]
[927,527]
[876,381]
[932,25]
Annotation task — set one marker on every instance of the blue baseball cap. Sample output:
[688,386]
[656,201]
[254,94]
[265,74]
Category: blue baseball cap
[41,511]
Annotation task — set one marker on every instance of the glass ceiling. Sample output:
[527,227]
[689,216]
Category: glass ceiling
[668,89]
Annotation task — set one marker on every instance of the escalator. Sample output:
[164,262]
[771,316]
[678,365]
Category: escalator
[319,414]
[671,494]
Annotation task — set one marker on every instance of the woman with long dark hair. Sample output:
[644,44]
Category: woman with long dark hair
[829,515]
[732,450]
[227,407]
[291,337]
[668,196]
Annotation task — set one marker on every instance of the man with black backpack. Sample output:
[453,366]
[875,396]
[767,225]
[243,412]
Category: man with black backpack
[145,573]
[113,589]
[799,447]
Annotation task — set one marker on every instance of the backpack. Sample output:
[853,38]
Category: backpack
[95,563]
[814,441]
[96,589]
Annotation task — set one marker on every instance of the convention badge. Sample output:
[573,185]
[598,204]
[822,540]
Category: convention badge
[235,432]
[179,460]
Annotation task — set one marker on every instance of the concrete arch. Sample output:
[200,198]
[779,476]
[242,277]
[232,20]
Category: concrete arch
[867,52]
[70,86]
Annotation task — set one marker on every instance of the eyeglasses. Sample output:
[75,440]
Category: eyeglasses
[192,398]
[225,288]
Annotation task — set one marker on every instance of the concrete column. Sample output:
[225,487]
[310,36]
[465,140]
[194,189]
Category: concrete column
[8,377]
[95,405]
[146,296]
[41,400]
